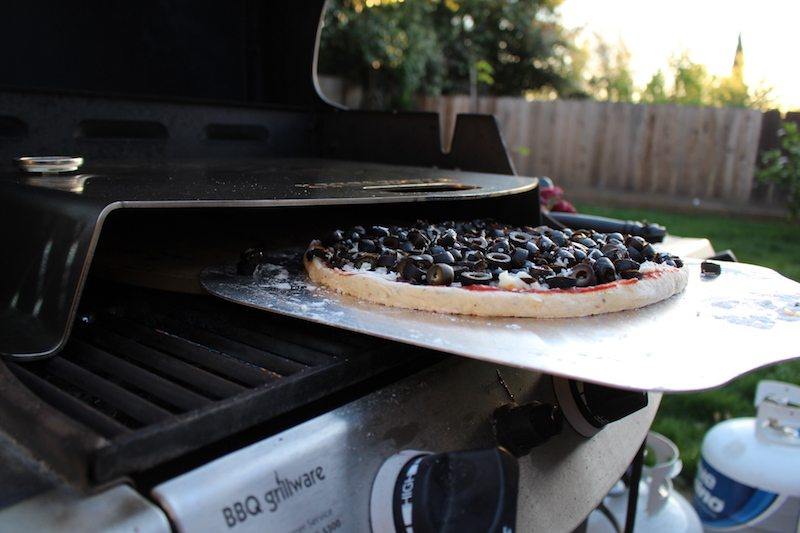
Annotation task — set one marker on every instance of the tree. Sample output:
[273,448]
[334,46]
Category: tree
[782,166]
[691,83]
[397,48]
[612,79]
[390,48]
[655,92]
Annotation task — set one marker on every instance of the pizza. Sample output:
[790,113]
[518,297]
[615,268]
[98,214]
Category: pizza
[486,268]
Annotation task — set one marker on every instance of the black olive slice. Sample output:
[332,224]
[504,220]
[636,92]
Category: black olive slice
[519,237]
[440,274]
[476,278]
[501,246]
[444,257]
[614,252]
[477,243]
[565,255]
[708,268]
[367,245]
[584,275]
[387,259]
[365,259]
[630,274]
[545,243]
[422,260]
[448,238]
[377,232]
[540,271]
[558,237]
[604,269]
[637,243]
[498,259]
[252,257]
[333,237]
[626,264]
[411,272]
[560,282]
[635,254]
[473,255]
[531,247]
[519,257]
[390,241]
[525,277]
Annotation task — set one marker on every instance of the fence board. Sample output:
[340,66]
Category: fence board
[708,153]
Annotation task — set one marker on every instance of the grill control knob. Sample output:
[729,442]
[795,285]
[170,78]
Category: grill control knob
[446,492]
[520,428]
[589,407]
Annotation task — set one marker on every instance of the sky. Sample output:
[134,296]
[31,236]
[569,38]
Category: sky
[707,30]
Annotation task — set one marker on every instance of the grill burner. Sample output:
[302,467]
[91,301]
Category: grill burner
[169,374]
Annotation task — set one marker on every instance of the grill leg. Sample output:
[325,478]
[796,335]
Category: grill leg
[633,489]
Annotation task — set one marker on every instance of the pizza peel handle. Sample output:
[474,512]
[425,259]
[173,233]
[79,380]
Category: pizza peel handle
[717,329]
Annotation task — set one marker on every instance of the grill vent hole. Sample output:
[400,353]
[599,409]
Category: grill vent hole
[423,187]
[121,129]
[236,132]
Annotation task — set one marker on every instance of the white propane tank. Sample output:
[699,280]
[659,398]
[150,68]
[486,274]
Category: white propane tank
[748,478]
[659,508]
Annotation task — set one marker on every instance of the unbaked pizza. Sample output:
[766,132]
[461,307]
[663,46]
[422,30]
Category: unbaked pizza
[486,268]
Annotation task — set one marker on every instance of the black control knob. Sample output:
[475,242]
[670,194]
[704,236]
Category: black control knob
[608,405]
[589,407]
[520,428]
[446,492]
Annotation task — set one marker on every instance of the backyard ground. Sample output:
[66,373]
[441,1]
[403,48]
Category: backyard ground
[685,418]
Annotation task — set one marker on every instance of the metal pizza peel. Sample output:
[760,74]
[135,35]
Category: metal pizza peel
[717,329]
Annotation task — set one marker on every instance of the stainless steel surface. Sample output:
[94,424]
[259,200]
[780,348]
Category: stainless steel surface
[262,182]
[41,284]
[444,408]
[116,510]
[49,164]
[716,330]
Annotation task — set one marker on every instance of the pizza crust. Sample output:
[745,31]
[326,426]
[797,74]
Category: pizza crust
[659,283]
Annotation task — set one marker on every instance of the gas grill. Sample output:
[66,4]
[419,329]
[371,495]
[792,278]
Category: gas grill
[143,389]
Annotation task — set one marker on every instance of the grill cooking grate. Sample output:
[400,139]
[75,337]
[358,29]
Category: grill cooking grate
[170,373]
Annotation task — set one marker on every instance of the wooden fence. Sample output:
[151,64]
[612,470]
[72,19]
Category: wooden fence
[666,150]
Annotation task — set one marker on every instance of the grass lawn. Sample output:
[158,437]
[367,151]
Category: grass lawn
[685,418]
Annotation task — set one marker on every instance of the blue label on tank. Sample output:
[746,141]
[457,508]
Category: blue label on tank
[722,502]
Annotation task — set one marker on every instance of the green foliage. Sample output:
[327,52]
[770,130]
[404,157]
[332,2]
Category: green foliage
[655,91]
[485,72]
[782,166]
[397,49]
[690,84]
[391,49]
[612,79]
